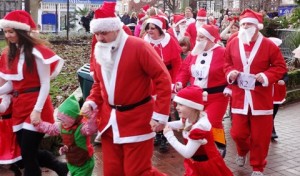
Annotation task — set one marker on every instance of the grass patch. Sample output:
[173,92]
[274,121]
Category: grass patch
[2,44]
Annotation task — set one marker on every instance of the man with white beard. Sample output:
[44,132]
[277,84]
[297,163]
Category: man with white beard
[178,28]
[204,68]
[125,69]
[253,64]
[192,28]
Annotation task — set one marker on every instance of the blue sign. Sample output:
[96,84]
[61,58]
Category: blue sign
[49,18]
[79,1]
[284,10]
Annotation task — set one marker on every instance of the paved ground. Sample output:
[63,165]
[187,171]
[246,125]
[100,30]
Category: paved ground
[283,159]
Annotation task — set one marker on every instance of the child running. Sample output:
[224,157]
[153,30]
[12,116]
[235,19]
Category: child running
[75,134]
[201,155]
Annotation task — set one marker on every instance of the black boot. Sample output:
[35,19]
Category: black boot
[274,135]
[157,139]
[221,148]
[164,145]
[15,169]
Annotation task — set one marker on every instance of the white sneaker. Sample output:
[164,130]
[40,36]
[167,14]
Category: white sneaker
[240,160]
[257,173]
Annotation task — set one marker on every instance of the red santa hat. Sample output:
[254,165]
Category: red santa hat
[105,19]
[158,21]
[201,15]
[18,19]
[177,19]
[250,16]
[191,96]
[142,16]
[210,31]
[145,8]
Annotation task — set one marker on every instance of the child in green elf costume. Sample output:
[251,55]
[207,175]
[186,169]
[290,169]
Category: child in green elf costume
[75,132]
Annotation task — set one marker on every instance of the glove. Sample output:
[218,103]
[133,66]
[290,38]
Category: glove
[63,150]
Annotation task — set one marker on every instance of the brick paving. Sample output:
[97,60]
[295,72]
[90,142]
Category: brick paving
[283,158]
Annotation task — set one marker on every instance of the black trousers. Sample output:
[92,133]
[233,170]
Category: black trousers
[34,158]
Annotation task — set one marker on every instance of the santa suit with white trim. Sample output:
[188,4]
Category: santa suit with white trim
[179,22]
[210,63]
[30,86]
[252,107]
[136,66]
[166,47]
[192,28]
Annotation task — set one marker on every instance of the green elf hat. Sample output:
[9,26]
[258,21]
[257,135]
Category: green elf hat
[70,107]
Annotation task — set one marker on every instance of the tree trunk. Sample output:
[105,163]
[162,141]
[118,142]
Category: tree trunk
[34,6]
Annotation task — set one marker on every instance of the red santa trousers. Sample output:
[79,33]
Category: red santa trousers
[132,159]
[215,108]
[252,133]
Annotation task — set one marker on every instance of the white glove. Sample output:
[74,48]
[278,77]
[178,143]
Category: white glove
[63,150]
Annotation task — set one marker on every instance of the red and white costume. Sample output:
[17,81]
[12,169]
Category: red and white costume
[191,30]
[215,77]
[180,23]
[169,51]
[255,106]
[9,151]
[199,150]
[19,79]
[136,66]
[167,48]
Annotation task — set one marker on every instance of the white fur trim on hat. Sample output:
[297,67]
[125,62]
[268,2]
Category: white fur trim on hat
[188,103]
[157,22]
[249,20]
[180,21]
[14,24]
[105,24]
[206,34]
[201,18]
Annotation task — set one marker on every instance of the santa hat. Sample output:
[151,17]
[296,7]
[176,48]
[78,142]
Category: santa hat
[105,19]
[145,8]
[142,16]
[177,19]
[18,19]
[210,31]
[70,108]
[250,16]
[201,15]
[158,21]
[192,96]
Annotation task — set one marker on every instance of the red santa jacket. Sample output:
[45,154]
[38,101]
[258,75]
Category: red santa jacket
[138,66]
[169,51]
[265,58]
[216,76]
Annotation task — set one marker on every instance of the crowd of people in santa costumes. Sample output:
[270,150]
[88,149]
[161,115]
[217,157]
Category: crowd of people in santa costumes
[26,66]
[253,63]
[125,68]
[204,68]
[136,76]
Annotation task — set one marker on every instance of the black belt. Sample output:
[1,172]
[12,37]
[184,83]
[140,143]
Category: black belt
[16,93]
[131,106]
[200,158]
[216,89]
[7,116]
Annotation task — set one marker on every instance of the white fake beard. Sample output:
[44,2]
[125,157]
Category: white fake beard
[246,34]
[182,29]
[199,47]
[103,55]
[199,24]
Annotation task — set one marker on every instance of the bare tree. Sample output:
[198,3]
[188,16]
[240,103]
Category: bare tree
[172,4]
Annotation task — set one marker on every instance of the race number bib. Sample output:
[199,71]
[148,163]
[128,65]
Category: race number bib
[200,70]
[246,81]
